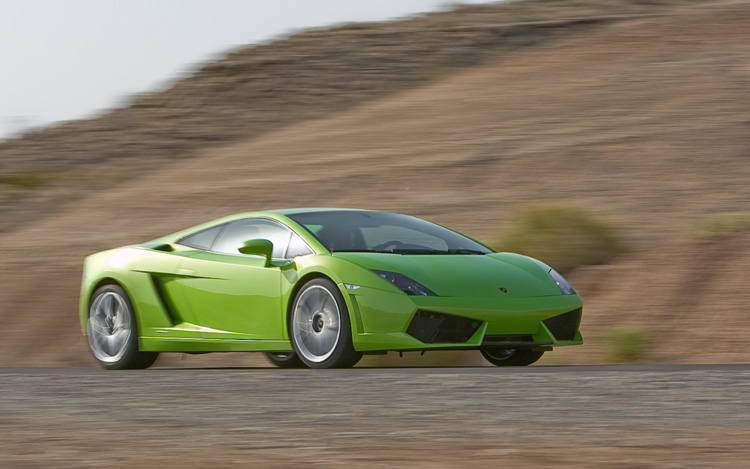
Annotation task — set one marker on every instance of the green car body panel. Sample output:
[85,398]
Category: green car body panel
[192,300]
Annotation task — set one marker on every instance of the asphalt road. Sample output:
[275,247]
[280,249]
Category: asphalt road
[579,416]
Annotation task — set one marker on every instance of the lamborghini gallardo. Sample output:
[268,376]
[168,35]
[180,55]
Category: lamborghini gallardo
[319,288]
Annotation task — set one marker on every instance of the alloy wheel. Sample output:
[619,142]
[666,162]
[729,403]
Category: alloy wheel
[316,323]
[110,327]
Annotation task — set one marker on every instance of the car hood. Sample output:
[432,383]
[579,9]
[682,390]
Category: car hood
[501,275]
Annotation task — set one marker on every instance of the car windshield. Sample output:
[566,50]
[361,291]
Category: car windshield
[364,231]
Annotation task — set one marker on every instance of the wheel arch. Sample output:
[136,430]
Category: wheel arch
[296,288]
[302,281]
[101,282]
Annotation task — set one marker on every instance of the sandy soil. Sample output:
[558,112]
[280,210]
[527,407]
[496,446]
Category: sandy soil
[645,121]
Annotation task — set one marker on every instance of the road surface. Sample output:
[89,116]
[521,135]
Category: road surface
[678,416]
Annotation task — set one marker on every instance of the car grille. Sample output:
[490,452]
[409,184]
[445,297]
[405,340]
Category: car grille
[439,328]
[564,326]
[507,340]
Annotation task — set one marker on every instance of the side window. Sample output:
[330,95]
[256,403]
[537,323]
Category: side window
[297,247]
[202,239]
[253,228]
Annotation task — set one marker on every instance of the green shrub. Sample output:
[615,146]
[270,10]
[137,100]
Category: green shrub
[721,224]
[626,344]
[562,235]
[28,178]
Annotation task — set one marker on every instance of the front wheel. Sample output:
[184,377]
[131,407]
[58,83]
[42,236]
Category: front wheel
[320,328]
[511,357]
[113,332]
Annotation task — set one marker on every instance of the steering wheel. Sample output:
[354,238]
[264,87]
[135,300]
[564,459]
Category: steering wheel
[382,246]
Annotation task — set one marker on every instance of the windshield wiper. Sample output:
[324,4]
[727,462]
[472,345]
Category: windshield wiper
[432,251]
[411,251]
[416,251]
[403,251]
[465,251]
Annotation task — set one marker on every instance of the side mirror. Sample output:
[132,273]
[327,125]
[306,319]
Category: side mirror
[258,247]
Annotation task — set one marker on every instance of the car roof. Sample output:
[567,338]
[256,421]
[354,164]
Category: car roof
[297,211]
[277,214]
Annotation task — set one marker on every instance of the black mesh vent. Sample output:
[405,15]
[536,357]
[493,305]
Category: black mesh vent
[498,340]
[564,326]
[439,328]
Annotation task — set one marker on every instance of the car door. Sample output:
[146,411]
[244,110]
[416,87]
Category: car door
[232,295]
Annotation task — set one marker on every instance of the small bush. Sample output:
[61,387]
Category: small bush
[627,344]
[29,178]
[562,235]
[721,224]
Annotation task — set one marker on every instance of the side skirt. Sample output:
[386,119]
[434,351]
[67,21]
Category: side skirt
[167,344]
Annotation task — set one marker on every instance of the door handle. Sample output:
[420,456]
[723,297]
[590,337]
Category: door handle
[185,271]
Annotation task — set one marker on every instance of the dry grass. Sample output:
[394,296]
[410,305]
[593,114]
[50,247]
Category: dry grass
[626,344]
[28,178]
[720,225]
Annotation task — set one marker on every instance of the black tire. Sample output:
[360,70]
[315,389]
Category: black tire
[128,355]
[285,359]
[511,357]
[356,357]
[342,353]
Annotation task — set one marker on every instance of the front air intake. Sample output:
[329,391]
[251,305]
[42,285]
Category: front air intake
[439,328]
[507,341]
[564,326]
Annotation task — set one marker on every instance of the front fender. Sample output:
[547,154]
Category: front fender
[341,272]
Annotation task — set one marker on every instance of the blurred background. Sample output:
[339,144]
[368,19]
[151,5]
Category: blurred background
[609,138]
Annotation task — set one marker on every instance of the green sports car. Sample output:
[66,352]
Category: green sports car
[320,288]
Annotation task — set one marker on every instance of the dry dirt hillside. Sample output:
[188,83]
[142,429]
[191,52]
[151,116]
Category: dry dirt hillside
[258,89]
[645,119]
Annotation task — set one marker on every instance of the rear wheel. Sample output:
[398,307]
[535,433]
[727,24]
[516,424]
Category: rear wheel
[113,331]
[511,357]
[285,359]
[320,328]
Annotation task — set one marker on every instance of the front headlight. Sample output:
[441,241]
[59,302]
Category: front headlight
[565,287]
[407,285]
[562,284]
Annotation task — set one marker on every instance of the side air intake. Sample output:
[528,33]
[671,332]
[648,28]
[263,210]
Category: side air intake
[564,326]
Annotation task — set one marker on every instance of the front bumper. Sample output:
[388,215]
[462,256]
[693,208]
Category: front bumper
[395,321]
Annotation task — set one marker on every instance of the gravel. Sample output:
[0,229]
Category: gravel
[680,416]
